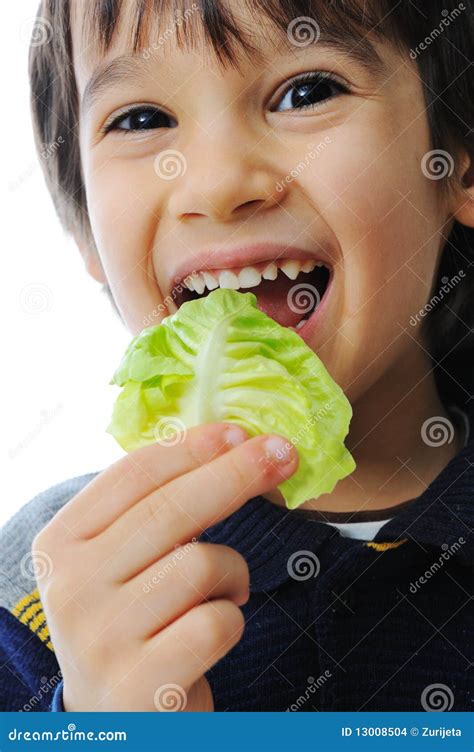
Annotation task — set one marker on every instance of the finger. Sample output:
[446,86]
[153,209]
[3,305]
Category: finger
[139,473]
[189,504]
[180,581]
[190,646]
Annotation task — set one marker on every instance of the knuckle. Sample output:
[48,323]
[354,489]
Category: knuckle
[219,627]
[211,627]
[43,539]
[202,565]
[243,568]
[238,563]
[148,513]
[239,470]
[54,597]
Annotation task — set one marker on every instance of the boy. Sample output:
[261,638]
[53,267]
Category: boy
[242,141]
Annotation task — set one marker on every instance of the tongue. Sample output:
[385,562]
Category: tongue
[273,298]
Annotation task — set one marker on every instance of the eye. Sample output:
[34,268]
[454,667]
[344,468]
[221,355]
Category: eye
[309,91]
[140,119]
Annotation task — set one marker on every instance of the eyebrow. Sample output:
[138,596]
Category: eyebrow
[130,67]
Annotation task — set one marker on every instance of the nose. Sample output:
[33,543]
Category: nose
[223,183]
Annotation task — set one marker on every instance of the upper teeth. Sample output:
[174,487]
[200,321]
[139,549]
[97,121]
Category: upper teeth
[248,276]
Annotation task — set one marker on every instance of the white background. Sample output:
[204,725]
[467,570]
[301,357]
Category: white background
[60,340]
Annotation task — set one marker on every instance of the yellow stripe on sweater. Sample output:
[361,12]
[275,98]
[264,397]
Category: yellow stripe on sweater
[26,601]
[30,606]
[385,546]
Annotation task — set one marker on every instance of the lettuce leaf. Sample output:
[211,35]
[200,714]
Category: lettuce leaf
[220,358]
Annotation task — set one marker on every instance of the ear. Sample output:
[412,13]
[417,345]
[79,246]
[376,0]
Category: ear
[464,201]
[91,259]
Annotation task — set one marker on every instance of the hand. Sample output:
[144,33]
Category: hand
[138,610]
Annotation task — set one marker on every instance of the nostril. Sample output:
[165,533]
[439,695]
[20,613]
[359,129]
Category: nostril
[250,204]
[192,215]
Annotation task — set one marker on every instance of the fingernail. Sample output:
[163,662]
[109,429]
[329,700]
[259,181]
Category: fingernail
[235,435]
[279,450]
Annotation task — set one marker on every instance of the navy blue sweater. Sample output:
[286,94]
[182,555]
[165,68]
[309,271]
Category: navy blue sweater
[332,623]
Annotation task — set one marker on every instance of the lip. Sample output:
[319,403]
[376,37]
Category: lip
[306,332]
[247,255]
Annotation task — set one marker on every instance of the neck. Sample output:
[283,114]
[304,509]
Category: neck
[394,463]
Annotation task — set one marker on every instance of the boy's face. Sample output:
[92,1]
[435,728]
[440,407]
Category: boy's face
[254,163]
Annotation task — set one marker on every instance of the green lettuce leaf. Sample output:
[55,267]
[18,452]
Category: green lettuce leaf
[220,358]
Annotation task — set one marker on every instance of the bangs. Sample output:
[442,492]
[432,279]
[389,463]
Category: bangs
[342,23]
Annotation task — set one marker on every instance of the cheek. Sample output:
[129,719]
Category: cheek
[384,216]
[124,229]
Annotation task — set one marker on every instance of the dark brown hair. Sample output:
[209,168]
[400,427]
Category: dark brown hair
[439,34]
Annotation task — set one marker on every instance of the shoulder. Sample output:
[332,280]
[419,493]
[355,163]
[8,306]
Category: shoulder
[17,580]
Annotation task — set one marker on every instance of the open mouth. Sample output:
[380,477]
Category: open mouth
[287,290]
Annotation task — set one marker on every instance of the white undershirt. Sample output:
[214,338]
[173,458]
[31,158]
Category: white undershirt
[368,530]
[359,530]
